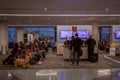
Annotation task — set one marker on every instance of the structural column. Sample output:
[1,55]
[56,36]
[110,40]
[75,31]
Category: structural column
[95,32]
[20,34]
[3,37]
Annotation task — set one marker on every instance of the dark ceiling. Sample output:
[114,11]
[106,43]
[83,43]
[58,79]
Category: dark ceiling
[60,12]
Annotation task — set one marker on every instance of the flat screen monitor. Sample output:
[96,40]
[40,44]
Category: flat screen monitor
[117,34]
[83,34]
[65,34]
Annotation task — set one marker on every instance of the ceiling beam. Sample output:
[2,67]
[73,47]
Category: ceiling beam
[67,15]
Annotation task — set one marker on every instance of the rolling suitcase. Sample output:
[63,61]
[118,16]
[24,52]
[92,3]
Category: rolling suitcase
[94,57]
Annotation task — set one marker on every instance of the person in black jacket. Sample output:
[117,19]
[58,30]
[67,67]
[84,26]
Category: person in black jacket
[77,52]
[10,58]
[91,44]
[71,47]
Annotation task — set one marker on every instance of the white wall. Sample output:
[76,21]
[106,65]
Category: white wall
[114,28]
[3,38]
[69,27]
[95,32]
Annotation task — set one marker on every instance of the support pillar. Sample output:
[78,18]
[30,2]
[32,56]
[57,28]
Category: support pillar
[3,38]
[95,32]
[20,34]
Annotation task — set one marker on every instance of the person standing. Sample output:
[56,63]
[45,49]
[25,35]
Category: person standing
[77,51]
[71,47]
[66,43]
[91,44]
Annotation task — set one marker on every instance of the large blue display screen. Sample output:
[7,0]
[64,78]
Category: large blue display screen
[117,34]
[66,34]
[83,34]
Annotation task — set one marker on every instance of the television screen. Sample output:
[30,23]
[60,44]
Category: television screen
[65,33]
[83,34]
[117,34]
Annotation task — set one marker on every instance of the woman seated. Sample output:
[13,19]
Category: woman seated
[39,54]
[14,54]
[54,48]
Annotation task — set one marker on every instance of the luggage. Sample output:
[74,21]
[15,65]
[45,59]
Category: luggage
[94,57]
[10,61]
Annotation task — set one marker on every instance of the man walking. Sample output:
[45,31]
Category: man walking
[71,47]
[77,52]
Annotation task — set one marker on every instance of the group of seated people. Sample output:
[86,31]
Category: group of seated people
[37,49]
[104,45]
[54,48]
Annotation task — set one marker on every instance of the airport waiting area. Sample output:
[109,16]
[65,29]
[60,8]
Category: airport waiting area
[59,39]
[54,65]
[38,55]
[43,57]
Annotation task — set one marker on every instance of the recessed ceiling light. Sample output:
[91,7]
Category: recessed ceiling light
[18,23]
[45,9]
[90,18]
[106,9]
[31,21]
[112,18]
[48,18]
[66,21]
[4,18]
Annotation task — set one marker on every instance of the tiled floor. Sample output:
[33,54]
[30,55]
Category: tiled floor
[55,68]
[114,57]
[61,74]
[57,62]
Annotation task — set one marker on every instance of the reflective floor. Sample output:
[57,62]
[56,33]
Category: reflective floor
[61,74]
[53,61]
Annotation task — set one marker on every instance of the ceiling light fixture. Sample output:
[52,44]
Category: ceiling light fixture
[90,18]
[18,23]
[4,18]
[66,21]
[59,14]
[111,18]
[45,9]
[31,21]
[106,9]
[48,18]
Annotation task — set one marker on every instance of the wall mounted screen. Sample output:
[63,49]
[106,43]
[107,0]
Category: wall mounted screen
[117,34]
[83,34]
[65,34]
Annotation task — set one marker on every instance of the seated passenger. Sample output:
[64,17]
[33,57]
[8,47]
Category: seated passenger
[54,48]
[66,43]
[44,46]
[107,47]
[101,45]
[12,56]
[39,54]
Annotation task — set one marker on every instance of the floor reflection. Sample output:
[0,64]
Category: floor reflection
[61,74]
[3,75]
